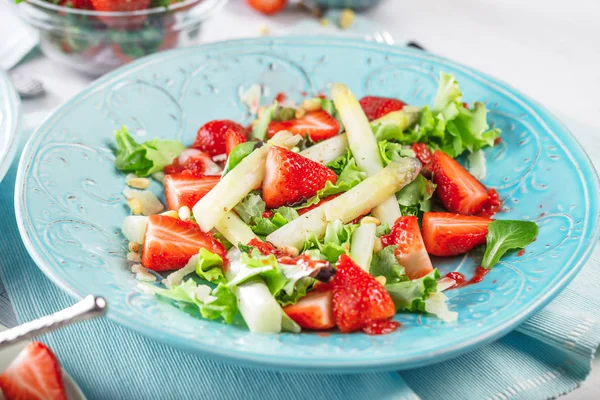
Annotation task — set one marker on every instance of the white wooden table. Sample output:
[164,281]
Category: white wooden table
[549,50]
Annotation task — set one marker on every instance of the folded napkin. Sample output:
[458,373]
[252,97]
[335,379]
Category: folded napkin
[18,38]
[547,356]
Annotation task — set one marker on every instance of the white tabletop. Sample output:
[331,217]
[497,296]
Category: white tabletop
[549,51]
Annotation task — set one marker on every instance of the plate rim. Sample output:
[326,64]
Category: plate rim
[289,362]
[13,106]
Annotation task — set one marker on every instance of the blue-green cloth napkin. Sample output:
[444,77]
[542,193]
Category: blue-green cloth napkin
[547,356]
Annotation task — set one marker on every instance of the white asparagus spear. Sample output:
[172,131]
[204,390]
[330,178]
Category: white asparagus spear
[328,150]
[363,242]
[234,229]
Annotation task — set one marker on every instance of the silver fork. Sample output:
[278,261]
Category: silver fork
[89,307]
[381,37]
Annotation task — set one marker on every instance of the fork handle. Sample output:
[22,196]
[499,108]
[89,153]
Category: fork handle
[89,307]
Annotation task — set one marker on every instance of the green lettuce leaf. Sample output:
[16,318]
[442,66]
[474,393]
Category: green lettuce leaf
[415,198]
[255,264]
[301,287]
[146,158]
[210,267]
[411,295]
[284,113]
[251,210]
[386,264]
[336,241]
[504,236]
[382,229]
[219,302]
[328,106]
[252,206]
[238,153]
[390,151]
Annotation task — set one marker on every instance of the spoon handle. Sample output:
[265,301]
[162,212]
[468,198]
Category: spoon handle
[89,307]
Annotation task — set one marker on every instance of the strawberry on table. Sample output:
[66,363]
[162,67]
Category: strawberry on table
[170,242]
[458,190]
[291,178]
[34,375]
[447,234]
[411,252]
[359,299]
[186,188]
[211,136]
[232,139]
[315,310]
[318,125]
[267,6]
[376,107]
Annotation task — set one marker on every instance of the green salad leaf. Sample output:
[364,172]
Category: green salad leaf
[385,264]
[504,236]
[259,130]
[219,302]
[210,267]
[391,151]
[251,210]
[336,241]
[284,113]
[415,198]
[238,153]
[411,295]
[146,158]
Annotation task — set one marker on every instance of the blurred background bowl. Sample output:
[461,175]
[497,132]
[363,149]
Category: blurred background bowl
[354,4]
[95,42]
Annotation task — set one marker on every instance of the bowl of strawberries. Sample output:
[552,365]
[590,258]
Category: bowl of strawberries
[97,36]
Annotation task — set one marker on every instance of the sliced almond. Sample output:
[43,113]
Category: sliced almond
[139,183]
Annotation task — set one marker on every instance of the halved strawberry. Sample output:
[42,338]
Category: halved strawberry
[318,125]
[411,252]
[493,205]
[459,191]
[211,136]
[34,375]
[195,161]
[186,188]
[232,139]
[116,22]
[320,203]
[291,178]
[314,311]
[267,6]
[170,242]
[422,153]
[447,234]
[358,298]
[376,107]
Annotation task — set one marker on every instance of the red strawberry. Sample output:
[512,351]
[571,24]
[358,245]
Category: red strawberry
[267,6]
[447,234]
[314,311]
[211,136]
[358,298]
[459,191]
[186,188]
[376,107]
[34,375]
[422,153]
[320,203]
[318,125]
[411,252]
[170,242]
[291,178]
[492,206]
[232,139]
[80,4]
[195,161]
[132,22]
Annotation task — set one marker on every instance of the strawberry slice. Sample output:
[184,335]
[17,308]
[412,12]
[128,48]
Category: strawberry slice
[459,191]
[186,188]
[422,153]
[34,375]
[358,298]
[314,311]
[318,125]
[376,107]
[267,7]
[291,178]
[493,205]
[447,234]
[232,139]
[195,161]
[211,136]
[320,203]
[411,252]
[170,242]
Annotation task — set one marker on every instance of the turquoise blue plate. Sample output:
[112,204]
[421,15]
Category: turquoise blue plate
[70,207]
[10,107]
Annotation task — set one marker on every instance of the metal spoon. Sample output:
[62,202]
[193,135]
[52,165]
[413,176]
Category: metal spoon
[89,307]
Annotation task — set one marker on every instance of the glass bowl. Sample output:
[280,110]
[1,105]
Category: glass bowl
[95,42]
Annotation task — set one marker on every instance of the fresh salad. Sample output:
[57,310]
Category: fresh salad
[319,216]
